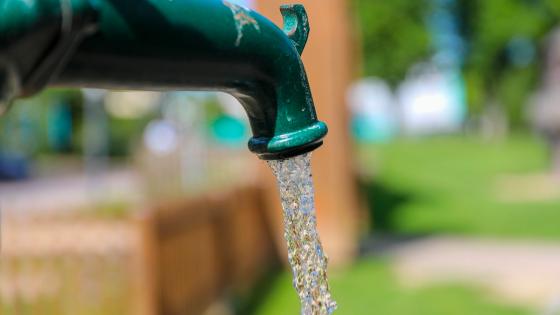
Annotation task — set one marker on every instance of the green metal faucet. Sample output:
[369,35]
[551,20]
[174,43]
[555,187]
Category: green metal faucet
[168,45]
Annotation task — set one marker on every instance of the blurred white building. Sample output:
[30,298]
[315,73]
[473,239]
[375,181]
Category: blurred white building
[428,102]
[431,102]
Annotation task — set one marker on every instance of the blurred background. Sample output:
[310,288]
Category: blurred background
[438,187]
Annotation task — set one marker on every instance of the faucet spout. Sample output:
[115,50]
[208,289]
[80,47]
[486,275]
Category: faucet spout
[171,45]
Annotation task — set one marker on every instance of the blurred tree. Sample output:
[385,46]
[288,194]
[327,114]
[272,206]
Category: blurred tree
[26,128]
[394,36]
[502,62]
[545,106]
[503,41]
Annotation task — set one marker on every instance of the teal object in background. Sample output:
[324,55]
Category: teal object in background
[59,127]
[169,45]
[229,131]
[365,129]
[374,111]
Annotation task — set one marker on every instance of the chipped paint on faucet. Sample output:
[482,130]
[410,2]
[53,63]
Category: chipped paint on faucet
[242,17]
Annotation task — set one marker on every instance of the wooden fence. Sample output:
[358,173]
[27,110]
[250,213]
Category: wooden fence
[175,258]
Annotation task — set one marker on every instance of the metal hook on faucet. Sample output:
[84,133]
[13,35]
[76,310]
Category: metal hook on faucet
[296,24]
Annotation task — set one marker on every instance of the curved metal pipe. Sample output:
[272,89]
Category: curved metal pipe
[186,45]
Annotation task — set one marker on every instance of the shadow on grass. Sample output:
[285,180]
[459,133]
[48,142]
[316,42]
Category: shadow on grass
[250,303]
[383,203]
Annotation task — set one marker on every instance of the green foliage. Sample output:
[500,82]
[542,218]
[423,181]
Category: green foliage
[371,288]
[455,186]
[393,35]
[24,127]
[124,134]
[488,28]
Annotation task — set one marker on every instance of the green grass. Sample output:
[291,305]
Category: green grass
[370,288]
[447,185]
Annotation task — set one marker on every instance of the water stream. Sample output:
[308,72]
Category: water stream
[305,252]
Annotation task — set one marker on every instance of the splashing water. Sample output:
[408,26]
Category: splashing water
[305,252]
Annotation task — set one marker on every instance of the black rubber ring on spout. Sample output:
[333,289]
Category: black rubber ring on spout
[271,156]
